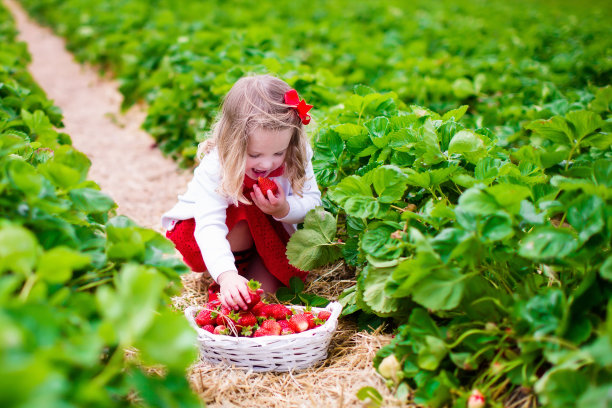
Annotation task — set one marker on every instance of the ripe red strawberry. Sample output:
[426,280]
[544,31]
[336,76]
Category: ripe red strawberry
[243,319]
[222,316]
[285,328]
[271,326]
[298,323]
[310,318]
[261,332]
[258,309]
[278,311]
[221,329]
[255,292]
[266,184]
[213,292]
[205,317]
[209,328]
[324,315]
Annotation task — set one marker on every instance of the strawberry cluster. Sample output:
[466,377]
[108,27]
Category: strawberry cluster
[261,319]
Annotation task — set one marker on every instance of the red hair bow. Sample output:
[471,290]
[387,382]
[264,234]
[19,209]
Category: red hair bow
[302,108]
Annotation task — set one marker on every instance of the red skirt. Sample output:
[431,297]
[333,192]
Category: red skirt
[269,236]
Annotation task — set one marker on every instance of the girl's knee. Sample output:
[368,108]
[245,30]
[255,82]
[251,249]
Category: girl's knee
[240,237]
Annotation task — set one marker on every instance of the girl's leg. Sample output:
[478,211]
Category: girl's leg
[258,271]
[240,239]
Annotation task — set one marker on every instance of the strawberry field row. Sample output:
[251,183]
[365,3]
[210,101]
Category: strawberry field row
[78,285]
[483,232]
[508,62]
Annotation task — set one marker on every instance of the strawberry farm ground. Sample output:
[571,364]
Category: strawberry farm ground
[127,166]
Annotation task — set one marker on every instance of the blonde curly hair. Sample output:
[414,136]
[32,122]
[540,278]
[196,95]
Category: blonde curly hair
[255,102]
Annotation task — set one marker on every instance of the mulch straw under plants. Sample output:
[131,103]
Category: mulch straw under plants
[332,383]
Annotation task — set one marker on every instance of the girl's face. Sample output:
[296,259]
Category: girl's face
[266,151]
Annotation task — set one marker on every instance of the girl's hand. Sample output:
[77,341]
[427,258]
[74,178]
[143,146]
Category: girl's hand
[274,205]
[234,292]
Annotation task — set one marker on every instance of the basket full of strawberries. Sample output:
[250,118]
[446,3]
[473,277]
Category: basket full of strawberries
[267,336]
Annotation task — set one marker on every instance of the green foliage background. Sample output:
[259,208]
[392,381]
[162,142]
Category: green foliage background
[463,150]
[79,287]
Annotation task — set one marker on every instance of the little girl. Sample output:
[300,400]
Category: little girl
[224,223]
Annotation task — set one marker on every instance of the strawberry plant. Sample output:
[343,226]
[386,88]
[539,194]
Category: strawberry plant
[79,285]
[483,255]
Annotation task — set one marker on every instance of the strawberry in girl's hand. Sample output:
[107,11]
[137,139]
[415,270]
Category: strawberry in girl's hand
[265,184]
[255,292]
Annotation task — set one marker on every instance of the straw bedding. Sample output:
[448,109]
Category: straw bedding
[332,383]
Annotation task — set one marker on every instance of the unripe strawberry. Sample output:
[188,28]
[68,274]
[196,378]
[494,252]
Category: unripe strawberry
[476,400]
[389,367]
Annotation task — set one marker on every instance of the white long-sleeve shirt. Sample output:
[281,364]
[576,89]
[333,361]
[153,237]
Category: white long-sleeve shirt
[202,202]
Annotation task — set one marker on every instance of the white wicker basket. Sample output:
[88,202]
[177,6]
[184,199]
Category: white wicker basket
[268,353]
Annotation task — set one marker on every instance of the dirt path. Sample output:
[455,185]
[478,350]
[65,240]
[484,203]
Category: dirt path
[125,165]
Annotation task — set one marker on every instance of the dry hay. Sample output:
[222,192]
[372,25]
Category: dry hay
[332,383]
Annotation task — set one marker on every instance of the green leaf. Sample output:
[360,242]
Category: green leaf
[584,123]
[56,265]
[371,287]
[563,388]
[596,397]
[431,353]
[389,183]
[173,331]
[313,245]
[370,396]
[18,249]
[24,177]
[362,207]
[509,196]
[465,141]
[455,114]
[377,128]
[462,88]
[606,269]
[603,100]
[555,129]
[350,186]
[89,200]
[477,201]
[440,290]
[130,306]
[586,215]
[61,175]
[545,243]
